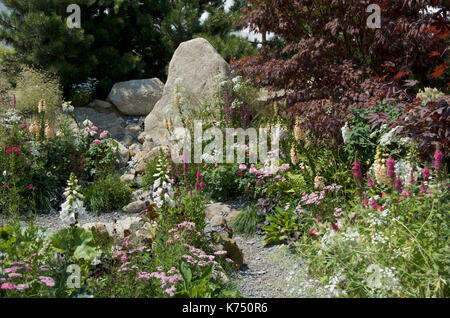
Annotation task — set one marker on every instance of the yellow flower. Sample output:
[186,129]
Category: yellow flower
[35,128]
[298,132]
[42,106]
[48,131]
[319,182]
[294,158]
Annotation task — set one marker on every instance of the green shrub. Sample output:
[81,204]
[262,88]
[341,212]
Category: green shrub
[34,85]
[107,194]
[245,223]
[220,181]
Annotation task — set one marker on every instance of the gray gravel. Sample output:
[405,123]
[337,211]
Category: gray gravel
[273,272]
[52,220]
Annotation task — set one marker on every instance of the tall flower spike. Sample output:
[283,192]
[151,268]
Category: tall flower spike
[438,163]
[426,173]
[390,163]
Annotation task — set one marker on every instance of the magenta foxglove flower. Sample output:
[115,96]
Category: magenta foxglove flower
[399,184]
[390,163]
[438,160]
[426,173]
[357,170]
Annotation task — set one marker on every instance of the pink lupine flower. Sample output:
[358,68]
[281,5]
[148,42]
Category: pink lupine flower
[103,134]
[426,173]
[399,184]
[390,163]
[438,160]
[94,128]
[365,202]
[334,227]
[314,232]
[240,174]
[96,141]
[370,181]
[9,150]
[423,188]
[357,170]
[412,181]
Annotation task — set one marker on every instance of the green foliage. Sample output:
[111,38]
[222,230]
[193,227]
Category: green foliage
[221,181]
[364,135]
[75,243]
[107,194]
[283,226]
[246,222]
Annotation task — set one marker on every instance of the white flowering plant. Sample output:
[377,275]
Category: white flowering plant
[73,206]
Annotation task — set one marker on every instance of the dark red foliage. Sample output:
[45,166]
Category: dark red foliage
[428,125]
[326,55]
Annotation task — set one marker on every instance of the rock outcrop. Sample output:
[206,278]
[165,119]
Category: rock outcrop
[193,69]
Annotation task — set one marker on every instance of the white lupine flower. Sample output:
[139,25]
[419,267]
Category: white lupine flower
[345,130]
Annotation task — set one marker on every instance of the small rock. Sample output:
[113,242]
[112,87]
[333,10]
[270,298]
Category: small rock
[128,140]
[217,220]
[230,217]
[102,104]
[135,207]
[216,209]
[142,137]
[127,177]
[132,130]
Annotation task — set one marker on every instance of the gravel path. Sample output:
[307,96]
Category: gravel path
[273,272]
[52,220]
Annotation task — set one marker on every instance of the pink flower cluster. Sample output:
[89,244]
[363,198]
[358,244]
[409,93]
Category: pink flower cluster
[172,277]
[13,273]
[10,150]
[314,198]
[199,257]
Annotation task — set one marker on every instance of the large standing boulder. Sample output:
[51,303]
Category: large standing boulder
[194,66]
[136,97]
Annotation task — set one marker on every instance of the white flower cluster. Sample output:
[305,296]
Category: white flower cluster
[73,207]
[162,187]
[351,237]
[10,117]
[67,107]
[403,171]
[429,95]
[382,281]
[346,131]
[375,219]
[86,88]
[379,239]
[335,283]
[388,137]
[328,241]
